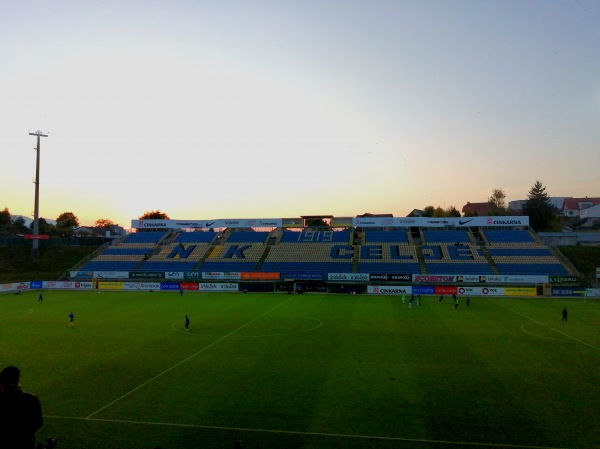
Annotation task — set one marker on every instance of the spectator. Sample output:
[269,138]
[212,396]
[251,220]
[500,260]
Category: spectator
[20,412]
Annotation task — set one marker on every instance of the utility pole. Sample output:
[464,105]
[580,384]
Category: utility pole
[36,209]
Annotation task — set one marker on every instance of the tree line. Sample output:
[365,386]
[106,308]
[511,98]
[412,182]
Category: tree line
[66,224]
[543,216]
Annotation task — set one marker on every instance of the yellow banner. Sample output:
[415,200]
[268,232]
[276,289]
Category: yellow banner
[110,285]
[520,291]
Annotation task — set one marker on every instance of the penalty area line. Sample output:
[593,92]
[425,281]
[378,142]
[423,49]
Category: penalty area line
[294,432]
[555,330]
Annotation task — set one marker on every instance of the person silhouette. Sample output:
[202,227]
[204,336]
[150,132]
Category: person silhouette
[20,412]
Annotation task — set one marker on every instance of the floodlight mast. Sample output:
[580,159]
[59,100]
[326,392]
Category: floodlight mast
[36,209]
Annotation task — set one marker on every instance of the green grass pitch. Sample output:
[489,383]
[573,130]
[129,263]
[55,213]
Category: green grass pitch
[306,371]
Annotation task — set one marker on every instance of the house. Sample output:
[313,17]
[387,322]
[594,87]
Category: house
[590,212]
[574,206]
[110,232]
[556,201]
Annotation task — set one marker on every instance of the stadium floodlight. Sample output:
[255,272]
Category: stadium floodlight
[36,209]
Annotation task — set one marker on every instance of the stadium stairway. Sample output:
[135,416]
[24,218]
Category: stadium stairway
[261,261]
[355,257]
[210,250]
[472,237]
[484,241]
[490,261]
[422,265]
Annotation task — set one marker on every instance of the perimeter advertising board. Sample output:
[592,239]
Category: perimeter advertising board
[14,287]
[169,286]
[480,279]
[216,287]
[302,276]
[81,274]
[141,285]
[389,290]
[568,291]
[347,276]
[480,291]
[434,278]
[221,275]
[111,274]
[147,275]
[445,290]
[519,291]
[423,289]
[259,276]
[110,285]
[390,277]
[563,279]
[71,285]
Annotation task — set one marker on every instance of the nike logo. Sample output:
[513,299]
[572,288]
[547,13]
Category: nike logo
[209,224]
[462,222]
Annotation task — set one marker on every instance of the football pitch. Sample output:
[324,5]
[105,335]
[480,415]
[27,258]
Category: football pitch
[306,371]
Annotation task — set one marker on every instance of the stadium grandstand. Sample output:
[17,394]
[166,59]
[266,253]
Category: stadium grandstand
[339,248]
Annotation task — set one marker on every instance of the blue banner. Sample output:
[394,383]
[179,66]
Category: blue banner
[423,290]
[568,291]
[302,276]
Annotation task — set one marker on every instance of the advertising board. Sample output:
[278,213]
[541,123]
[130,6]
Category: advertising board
[519,291]
[480,291]
[347,276]
[105,285]
[389,289]
[220,275]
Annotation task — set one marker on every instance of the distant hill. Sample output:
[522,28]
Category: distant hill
[29,220]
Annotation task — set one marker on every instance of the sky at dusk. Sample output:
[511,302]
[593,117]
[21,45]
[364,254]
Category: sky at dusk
[240,109]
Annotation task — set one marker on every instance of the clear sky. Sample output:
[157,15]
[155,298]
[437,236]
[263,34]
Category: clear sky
[256,108]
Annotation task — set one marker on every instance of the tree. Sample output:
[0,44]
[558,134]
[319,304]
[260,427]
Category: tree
[539,209]
[5,222]
[497,203]
[154,215]
[67,220]
[45,227]
[103,223]
[439,212]
[19,226]
[428,211]
[452,211]
[65,223]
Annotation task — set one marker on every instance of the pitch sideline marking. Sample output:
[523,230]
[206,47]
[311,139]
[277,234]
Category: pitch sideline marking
[294,432]
[557,331]
[185,360]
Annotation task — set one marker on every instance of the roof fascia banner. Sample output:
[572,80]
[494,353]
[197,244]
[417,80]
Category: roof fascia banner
[369,222]
[433,222]
[207,224]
